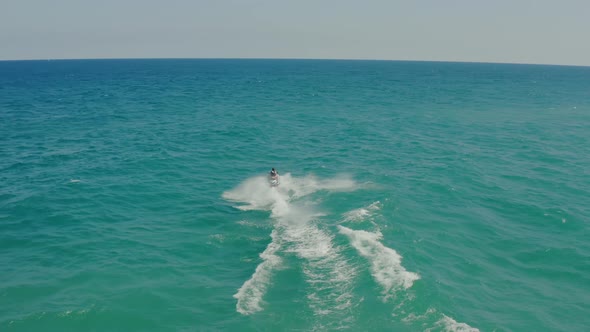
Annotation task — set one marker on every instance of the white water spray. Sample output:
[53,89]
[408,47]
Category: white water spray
[326,271]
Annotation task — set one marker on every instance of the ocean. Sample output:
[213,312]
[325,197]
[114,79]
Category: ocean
[413,196]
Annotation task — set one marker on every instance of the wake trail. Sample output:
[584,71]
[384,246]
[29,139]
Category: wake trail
[250,295]
[327,273]
[386,263]
[387,269]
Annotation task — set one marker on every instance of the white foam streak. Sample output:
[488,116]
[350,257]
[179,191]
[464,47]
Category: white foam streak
[415,317]
[250,294]
[362,213]
[450,325]
[257,194]
[386,265]
[328,274]
[299,187]
[254,192]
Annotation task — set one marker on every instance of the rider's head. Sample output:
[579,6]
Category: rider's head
[273,168]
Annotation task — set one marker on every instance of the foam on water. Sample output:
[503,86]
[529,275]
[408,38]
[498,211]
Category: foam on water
[327,273]
[250,295]
[302,186]
[389,273]
[254,192]
[257,194]
[441,321]
[448,324]
[386,265]
[362,213]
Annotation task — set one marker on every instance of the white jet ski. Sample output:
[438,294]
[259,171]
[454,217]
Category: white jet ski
[273,180]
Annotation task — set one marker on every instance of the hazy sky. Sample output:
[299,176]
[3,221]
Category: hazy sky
[521,31]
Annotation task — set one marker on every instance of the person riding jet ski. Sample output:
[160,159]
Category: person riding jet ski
[273,177]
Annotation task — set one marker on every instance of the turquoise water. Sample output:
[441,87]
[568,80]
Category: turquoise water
[414,196]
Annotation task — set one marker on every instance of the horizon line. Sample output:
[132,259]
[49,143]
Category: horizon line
[294,58]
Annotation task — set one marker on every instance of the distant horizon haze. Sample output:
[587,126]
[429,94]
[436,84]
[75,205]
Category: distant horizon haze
[521,32]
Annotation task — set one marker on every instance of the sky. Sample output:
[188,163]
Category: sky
[517,31]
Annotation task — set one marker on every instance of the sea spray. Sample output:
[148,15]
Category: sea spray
[327,273]
[386,265]
[250,295]
[387,270]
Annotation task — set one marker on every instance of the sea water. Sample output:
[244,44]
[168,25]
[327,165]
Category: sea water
[414,196]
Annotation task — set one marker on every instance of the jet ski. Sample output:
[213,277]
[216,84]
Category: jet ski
[273,180]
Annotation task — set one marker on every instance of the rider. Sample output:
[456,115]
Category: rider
[273,173]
